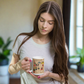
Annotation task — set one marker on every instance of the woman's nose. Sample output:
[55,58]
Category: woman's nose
[44,24]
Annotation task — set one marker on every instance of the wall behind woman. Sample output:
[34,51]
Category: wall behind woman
[58,1]
[16,16]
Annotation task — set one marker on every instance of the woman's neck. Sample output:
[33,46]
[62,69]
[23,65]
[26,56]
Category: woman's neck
[41,39]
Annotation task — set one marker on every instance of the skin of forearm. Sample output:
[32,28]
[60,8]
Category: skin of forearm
[14,68]
[56,77]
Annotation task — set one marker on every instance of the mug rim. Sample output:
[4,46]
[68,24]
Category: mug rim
[37,57]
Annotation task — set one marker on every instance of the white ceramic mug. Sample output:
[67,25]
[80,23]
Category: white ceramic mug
[37,65]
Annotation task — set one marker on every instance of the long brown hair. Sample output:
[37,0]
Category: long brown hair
[57,37]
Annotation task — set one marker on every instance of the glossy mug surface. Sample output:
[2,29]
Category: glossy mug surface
[37,65]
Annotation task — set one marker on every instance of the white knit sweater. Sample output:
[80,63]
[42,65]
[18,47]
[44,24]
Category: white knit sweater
[31,49]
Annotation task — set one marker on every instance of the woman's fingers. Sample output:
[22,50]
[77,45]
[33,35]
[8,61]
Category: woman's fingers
[27,59]
[46,74]
[41,76]
[32,74]
[26,63]
[26,68]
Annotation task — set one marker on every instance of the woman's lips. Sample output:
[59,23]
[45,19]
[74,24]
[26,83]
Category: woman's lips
[43,30]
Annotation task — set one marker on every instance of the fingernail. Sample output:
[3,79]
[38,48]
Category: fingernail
[38,77]
[30,60]
[28,71]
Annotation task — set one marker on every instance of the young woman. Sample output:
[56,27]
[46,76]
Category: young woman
[47,40]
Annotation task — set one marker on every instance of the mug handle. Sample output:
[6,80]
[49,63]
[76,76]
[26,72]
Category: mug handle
[31,66]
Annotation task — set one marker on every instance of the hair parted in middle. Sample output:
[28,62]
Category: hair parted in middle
[57,37]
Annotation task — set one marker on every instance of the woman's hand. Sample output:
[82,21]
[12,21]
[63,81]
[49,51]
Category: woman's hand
[25,64]
[45,74]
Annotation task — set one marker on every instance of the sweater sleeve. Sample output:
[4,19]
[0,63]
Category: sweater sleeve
[14,68]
